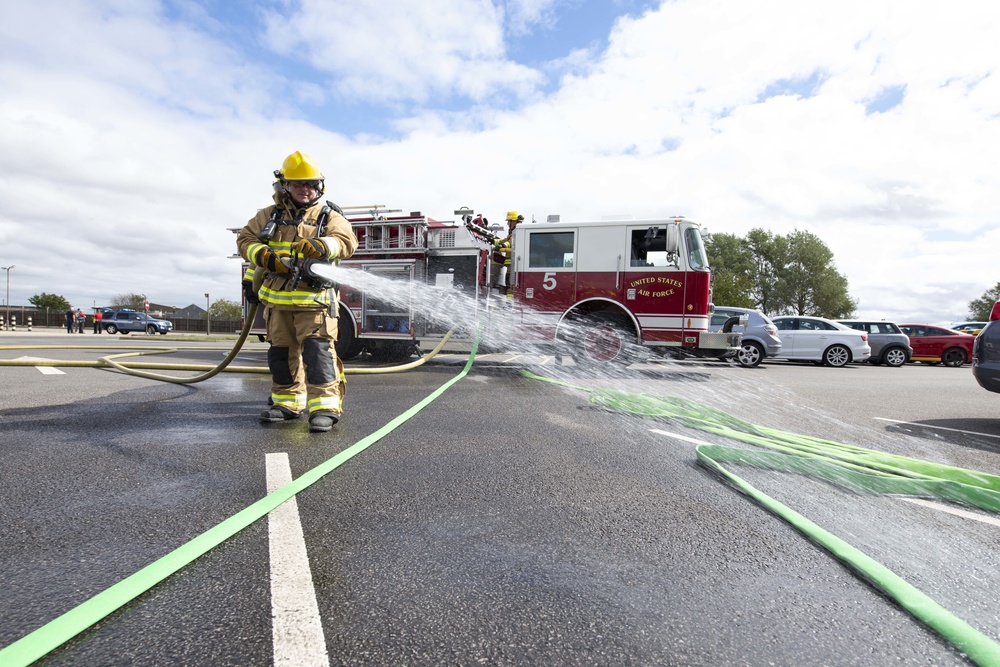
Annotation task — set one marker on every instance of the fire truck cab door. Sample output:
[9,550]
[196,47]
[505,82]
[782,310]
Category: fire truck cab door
[654,285]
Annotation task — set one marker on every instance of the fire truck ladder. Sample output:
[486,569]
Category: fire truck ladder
[377,232]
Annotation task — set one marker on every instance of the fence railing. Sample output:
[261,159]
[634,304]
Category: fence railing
[41,318]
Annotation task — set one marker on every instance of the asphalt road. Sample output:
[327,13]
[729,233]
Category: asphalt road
[508,522]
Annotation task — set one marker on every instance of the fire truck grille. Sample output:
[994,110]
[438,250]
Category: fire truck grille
[446,239]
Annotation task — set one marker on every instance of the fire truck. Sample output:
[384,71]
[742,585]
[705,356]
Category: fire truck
[600,291]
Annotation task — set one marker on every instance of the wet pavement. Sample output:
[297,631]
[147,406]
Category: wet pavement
[509,521]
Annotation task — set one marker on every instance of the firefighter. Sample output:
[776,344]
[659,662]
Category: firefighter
[306,374]
[502,251]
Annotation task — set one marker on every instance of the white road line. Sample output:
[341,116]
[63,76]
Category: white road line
[44,370]
[296,629]
[918,501]
[954,510]
[941,428]
[678,436]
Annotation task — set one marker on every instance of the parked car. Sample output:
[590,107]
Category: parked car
[820,340]
[986,357]
[969,327]
[890,346]
[760,336]
[125,321]
[938,345]
[986,353]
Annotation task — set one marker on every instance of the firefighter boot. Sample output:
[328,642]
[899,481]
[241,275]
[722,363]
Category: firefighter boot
[320,422]
[277,414]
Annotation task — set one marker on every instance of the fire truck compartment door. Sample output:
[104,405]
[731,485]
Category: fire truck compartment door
[546,267]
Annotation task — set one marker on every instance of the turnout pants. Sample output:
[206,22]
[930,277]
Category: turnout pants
[306,374]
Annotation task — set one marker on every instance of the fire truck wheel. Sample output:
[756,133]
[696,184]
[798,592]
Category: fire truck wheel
[602,340]
[347,344]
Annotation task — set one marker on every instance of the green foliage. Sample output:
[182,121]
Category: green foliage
[778,274]
[980,309]
[224,308]
[52,302]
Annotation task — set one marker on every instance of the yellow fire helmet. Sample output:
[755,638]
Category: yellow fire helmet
[514,216]
[300,167]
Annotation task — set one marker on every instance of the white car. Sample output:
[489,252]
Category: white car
[820,340]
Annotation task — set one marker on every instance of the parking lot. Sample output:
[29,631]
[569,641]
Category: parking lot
[507,521]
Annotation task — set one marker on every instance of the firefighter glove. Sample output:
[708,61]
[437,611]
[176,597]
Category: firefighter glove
[248,292]
[270,260]
[314,248]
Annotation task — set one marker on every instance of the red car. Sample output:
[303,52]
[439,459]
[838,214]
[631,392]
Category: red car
[938,344]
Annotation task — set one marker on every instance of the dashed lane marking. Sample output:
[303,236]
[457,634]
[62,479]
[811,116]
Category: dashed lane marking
[296,629]
[44,370]
[940,428]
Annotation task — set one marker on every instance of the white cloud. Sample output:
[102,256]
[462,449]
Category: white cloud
[130,141]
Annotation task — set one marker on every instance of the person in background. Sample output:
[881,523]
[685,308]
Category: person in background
[70,320]
[307,376]
[98,316]
[81,319]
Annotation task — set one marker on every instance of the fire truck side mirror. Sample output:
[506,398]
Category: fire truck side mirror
[673,238]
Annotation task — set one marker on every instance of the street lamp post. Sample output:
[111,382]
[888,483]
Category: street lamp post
[208,316]
[7,269]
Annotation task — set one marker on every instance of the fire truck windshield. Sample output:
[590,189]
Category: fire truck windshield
[695,248]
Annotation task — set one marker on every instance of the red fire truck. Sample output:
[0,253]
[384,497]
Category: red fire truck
[599,290]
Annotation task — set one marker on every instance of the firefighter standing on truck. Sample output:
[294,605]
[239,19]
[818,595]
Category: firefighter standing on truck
[502,251]
[306,374]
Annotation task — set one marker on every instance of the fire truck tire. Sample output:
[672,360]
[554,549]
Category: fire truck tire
[602,340]
[836,356]
[347,344]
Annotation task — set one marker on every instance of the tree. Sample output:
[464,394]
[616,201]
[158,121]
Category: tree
[981,308]
[731,264]
[225,309]
[778,274]
[769,257]
[133,301]
[52,302]
[810,283]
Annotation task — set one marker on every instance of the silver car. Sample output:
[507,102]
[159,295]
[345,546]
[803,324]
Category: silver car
[890,346]
[820,340]
[760,336]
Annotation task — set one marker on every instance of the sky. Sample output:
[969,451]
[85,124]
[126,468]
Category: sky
[134,134]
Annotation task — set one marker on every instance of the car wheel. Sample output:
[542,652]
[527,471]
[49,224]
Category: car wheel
[954,357]
[750,355]
[112,329]
[894,356]
[836,356]
[151,330]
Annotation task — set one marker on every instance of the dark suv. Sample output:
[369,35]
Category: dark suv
[126,321]
[890,346]
[986,353]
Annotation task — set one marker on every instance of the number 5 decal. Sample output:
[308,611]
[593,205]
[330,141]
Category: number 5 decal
[549,280]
